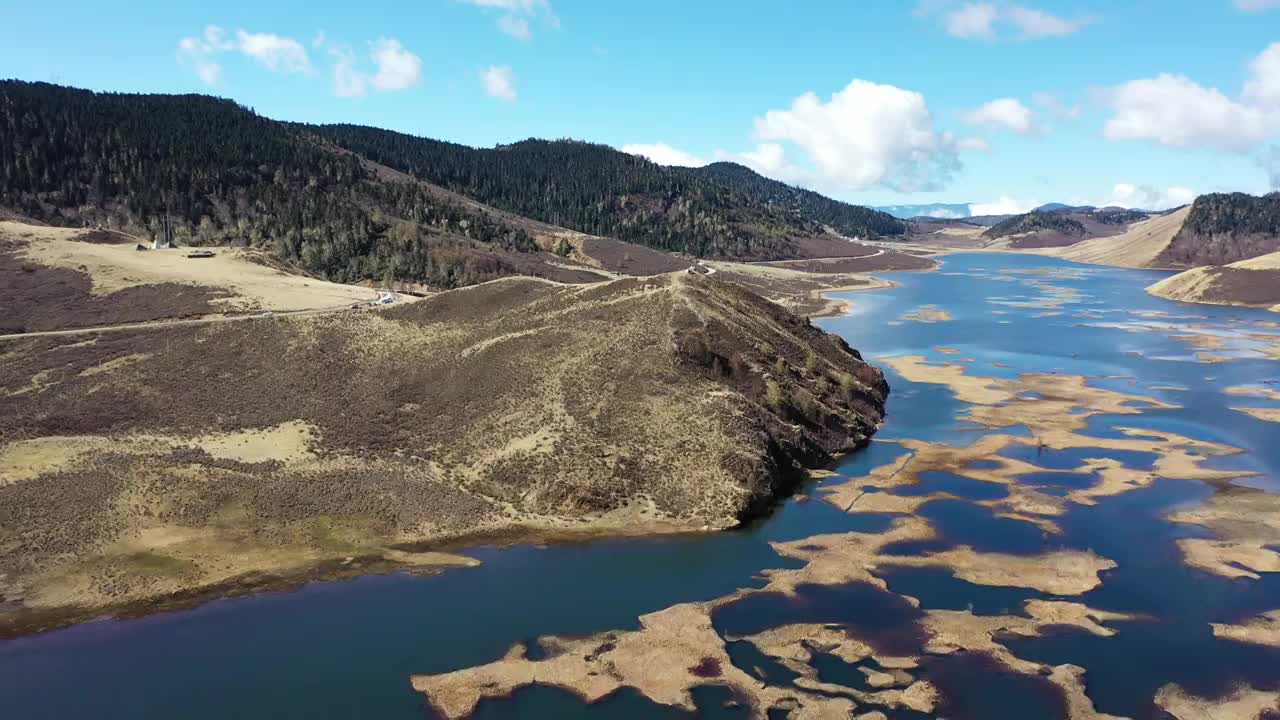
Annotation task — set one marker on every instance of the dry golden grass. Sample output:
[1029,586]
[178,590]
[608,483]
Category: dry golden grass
[151,463]
[248,285]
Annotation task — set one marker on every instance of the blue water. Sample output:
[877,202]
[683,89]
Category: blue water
[347,649]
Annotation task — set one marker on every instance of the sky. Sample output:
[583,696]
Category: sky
[1005,105]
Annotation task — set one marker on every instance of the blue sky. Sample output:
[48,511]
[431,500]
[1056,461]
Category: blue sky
[1007,104]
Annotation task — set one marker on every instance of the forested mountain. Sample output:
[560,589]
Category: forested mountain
[1034,221]
[311,195]
[1225,228]
[225,174]
[728,211]
[851,220]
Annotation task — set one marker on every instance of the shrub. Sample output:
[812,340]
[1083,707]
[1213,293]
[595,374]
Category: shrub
[775,395]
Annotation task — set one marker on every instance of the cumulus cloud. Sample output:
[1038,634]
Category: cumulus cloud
[395,68]
[277,53]
[1256,5]
[1005,114]
[514,20]
[984,20]
[1173,110]
[1146,197]
[664,154]
[1263,86]
[866,135]
[499,82]
[1176,111]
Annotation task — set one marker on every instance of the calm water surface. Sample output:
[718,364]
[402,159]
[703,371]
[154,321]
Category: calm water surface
[347,649]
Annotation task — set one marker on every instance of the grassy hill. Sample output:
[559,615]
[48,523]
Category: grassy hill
[1254,283]
[144,465]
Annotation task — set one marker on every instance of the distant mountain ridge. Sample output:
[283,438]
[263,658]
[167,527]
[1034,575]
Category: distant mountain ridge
[942,211]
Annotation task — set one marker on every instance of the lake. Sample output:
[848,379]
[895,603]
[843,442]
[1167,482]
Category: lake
[348,649]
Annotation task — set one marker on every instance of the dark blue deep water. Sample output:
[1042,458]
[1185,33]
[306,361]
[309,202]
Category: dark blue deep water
[347,649]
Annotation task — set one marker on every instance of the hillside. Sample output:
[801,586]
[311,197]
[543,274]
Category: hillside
[1225,228]
[724,211]
[353,203]
[1139,246]
[519,406]
[1254,283]
[228,176]
[64,278]
[846,219]
[1036,222]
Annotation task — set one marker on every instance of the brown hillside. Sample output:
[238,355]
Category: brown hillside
[137,465]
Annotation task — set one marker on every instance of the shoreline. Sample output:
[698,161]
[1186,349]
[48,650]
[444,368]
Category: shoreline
[443,554]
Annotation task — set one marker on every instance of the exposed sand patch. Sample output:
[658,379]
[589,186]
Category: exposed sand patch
[1243,703]
[1258,391]
[1266,414]
[1247,522]
[1262,629]
[928,314]
[673,651]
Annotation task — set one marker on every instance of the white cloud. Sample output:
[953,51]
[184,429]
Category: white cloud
[1145,197]
[276,52]
[516,27]
[972,20]
[1175,111]
[197,53]
[664,154]
[982,20]
[1005,205]
[866,135]
[499,82]
[1263,86]
[395,68]
[1256,5]
[516,14]
[1037,23]
[1005,114]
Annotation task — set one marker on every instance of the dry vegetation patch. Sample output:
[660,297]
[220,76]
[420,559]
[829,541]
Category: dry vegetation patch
[145,464]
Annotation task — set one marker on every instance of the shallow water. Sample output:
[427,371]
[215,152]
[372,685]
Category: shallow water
[347,649]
